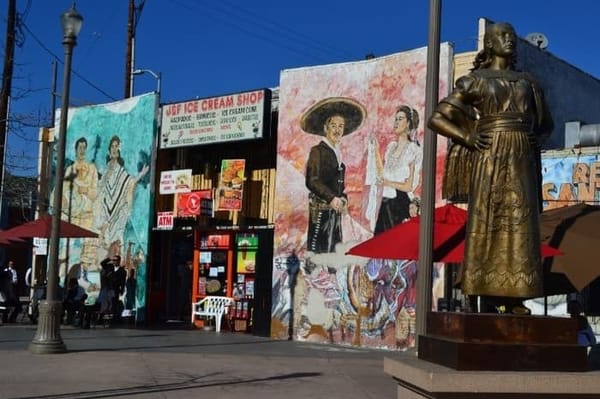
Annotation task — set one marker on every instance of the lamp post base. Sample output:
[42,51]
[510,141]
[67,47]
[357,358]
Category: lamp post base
[47,338]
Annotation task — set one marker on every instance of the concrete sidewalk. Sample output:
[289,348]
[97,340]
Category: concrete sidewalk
[161,363]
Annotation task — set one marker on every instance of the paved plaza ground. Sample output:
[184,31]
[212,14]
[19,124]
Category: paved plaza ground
[186,363]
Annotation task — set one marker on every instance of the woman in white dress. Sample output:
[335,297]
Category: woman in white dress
[399,172]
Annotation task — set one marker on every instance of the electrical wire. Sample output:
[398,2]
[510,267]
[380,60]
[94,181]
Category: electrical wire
[58,59]
[276,39]
[276,27]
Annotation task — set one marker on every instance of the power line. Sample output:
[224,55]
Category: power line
[278,28]
[271,39]
[57,58]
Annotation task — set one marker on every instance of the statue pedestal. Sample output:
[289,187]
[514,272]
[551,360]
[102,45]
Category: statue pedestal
[418,379]
[472,356]
[502,342]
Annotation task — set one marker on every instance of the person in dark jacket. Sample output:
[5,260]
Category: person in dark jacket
[8,297]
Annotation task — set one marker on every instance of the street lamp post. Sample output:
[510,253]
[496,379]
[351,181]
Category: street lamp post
[157,76]
[47,338]
[429,156]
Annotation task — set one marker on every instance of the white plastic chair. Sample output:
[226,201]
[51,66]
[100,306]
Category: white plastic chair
[212,306]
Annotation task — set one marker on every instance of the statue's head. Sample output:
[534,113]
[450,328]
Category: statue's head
[499,40]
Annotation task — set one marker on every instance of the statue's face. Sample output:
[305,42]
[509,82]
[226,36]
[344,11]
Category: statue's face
[334,129]
[502,40]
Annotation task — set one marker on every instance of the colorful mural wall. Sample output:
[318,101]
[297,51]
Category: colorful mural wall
[107,190]
[348,167]
[570,177]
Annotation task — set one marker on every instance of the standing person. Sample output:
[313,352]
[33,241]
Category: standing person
[130,288]
[502,250]
[399,171]
[14,276]
[117,282]
[325,171]
[9,294]
[116,191]
[185,289]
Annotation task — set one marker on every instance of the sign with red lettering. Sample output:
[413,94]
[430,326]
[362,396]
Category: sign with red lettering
[175,181]
[164,220]
[234,117]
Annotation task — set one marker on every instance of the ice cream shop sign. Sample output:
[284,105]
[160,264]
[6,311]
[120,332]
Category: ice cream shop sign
[233,117]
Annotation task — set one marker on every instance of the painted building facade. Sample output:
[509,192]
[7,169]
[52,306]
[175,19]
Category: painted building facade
[339,298]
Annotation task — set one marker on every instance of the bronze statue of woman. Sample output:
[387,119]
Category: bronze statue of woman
[499,117]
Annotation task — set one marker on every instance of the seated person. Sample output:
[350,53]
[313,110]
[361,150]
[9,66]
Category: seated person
[74,301]
[585,334]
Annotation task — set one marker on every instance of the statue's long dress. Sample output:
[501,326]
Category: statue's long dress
[502,249]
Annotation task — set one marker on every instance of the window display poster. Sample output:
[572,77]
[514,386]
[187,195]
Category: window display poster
[202,286]
[215,241]
[250,288]
[175,181]
[205,257]
[247,241]
[246,261]
[189,204]
[230,185]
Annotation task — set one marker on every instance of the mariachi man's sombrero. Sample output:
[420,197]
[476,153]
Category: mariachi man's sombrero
[353,112]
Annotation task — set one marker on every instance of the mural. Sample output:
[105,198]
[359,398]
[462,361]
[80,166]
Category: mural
[107,190]
[570,179]
[348,167]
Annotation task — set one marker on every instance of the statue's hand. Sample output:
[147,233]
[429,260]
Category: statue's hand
[479,140]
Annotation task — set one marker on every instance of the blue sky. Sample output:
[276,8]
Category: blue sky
[208,48]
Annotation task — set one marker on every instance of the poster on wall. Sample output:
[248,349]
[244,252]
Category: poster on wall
[108,153]
[348,167]
[230,188]
[175,181]
[190,204]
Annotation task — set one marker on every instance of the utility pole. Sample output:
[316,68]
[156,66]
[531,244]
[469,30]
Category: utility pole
[129,48]
[47,144]
[7,74]
[135,10]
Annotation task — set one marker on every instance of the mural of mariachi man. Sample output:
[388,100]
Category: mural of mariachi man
[333,118]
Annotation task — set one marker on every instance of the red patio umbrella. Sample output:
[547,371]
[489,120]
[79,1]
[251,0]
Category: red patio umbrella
[402,240]
[5,242]
[41,228]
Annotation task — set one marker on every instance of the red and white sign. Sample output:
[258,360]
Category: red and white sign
[217,119]
[189,204]
[164,220]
